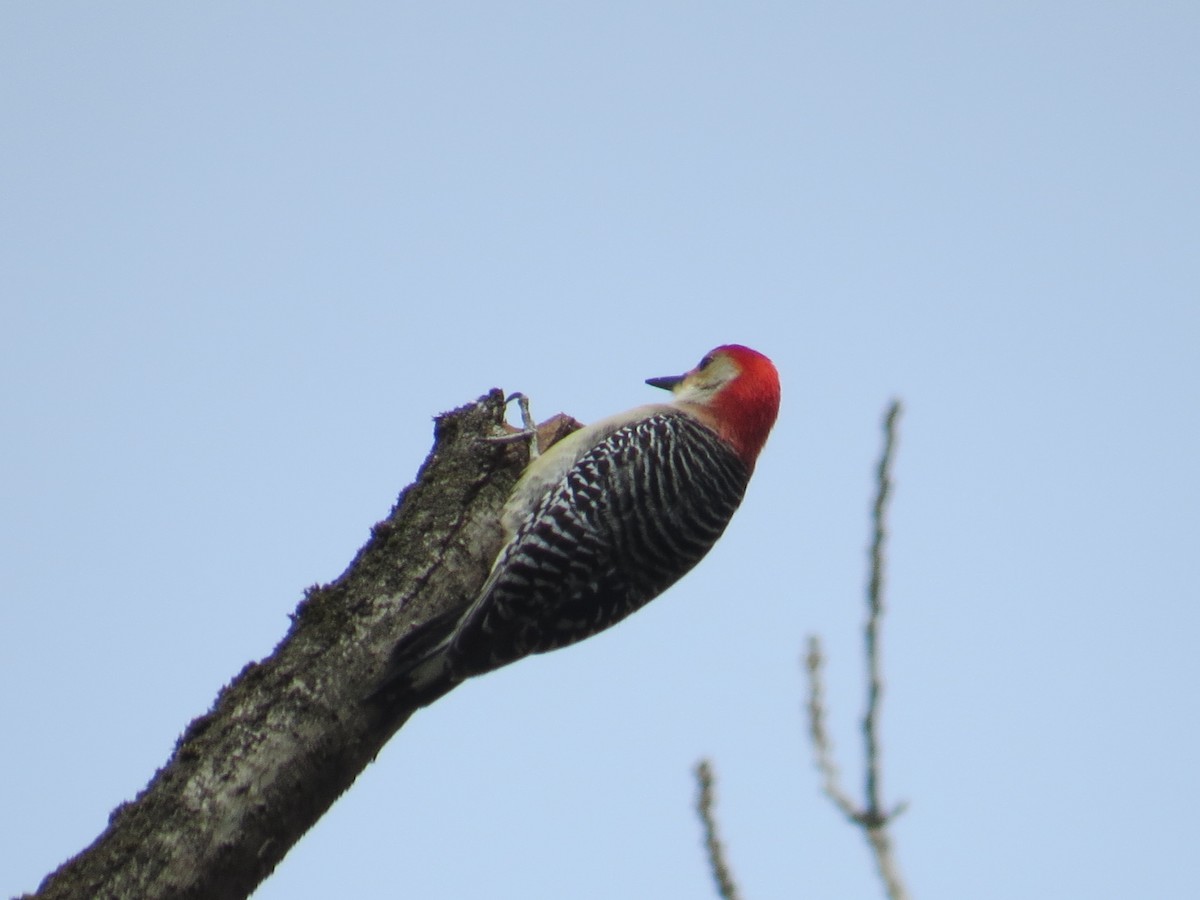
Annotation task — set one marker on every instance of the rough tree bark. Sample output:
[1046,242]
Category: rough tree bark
[290,733]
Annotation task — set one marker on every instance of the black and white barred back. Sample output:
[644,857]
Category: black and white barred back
[628,520]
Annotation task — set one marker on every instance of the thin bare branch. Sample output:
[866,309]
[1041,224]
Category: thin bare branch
[885,860]
[875,613]
[820,736]
[705,802]
[872,817]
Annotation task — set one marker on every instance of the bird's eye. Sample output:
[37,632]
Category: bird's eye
[706,362]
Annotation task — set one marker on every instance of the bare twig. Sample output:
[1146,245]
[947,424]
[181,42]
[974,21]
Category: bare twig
[875,613]
[872,817]
[712,842]
[820,737]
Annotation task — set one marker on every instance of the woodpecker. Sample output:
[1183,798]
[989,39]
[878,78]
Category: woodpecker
[601,523]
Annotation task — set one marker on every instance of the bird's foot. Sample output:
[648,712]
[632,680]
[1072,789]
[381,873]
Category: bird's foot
[528,426]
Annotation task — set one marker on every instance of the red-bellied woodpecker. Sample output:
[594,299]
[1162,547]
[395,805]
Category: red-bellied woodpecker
[603,522]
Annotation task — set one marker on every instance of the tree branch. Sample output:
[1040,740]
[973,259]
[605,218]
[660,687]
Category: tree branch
[290,733]
[871,817]
[875,613]
[822,745]
[705,801]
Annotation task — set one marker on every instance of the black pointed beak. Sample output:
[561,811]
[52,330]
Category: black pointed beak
[666,382]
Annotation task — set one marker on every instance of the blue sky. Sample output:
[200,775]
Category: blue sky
[250,250]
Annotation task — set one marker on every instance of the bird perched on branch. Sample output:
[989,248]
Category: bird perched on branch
[601,523]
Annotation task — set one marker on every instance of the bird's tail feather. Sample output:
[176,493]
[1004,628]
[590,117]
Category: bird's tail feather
[419,671]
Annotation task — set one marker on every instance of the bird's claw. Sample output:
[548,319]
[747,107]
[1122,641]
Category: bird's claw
[528,426]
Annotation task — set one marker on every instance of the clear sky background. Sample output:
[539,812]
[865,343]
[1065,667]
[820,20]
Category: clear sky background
[249,250]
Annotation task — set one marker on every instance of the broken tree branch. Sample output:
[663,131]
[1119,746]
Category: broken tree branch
[290,733]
